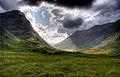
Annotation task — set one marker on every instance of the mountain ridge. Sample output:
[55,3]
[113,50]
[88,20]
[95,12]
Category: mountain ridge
[17,34]
[91,37]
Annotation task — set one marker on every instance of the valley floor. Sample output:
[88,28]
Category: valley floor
[31,64]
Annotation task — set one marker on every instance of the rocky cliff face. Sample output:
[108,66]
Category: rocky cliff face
[91,37]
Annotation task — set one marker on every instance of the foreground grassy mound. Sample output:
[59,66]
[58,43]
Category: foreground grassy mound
[31,64]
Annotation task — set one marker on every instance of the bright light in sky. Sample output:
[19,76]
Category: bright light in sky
[48,34]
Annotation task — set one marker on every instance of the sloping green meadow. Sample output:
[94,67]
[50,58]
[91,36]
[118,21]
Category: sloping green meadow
[31,64]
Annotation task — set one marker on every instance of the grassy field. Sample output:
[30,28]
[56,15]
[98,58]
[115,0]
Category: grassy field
[31,64]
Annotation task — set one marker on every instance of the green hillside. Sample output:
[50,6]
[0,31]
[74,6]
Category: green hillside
[10,42]
[110,46]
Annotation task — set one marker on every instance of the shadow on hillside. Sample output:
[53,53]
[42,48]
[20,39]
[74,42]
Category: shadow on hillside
[83,55]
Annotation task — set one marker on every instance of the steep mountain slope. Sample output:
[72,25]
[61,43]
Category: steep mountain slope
[16,23]
[17,33]
[7,39]
[111,45]
[91,37]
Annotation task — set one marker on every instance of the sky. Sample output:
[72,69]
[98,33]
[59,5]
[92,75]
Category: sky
[55,20]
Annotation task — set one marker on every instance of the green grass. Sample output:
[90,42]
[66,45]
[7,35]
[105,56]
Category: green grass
[31,64]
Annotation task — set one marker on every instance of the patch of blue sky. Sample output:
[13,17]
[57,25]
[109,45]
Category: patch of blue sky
[42,16]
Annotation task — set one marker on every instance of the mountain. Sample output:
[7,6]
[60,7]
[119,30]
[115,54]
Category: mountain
[83,39]
[17,33]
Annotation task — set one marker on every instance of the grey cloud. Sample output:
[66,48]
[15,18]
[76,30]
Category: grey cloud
[72,23]
[118,4]
[109,11]
[65,22]
[65,19]
[2,10]
[66,30]
[56,16]
[9,4]
[56,12]
[100,19]
[61,30]
[109,5]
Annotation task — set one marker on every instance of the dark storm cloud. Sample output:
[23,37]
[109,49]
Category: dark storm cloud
[72,3]
[61,30]
[33,2]
[67,3]
[72,23]
[65,20]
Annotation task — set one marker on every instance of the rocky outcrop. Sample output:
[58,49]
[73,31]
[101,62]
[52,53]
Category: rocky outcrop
[91,37]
